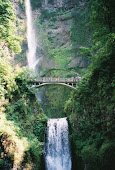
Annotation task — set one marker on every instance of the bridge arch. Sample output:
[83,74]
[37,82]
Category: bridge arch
[67,82]
[71,86]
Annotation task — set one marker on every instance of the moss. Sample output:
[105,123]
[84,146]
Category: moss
[1,162]
[18,113]
[48,15]
[36,4]
[61,55]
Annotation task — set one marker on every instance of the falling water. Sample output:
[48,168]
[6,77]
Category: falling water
[46,3]
[57,147]
[32,45]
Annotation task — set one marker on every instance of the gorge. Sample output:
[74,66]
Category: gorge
[57,147]
[63,40]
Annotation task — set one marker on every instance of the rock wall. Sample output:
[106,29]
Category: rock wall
[54,20]
[58,3]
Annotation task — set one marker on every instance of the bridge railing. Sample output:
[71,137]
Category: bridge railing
[57,79]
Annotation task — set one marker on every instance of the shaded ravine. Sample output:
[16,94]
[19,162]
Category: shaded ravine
[57,150]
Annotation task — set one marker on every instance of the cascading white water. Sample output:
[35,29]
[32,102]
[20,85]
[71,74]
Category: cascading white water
[46,3]
[57,151]
[32,45]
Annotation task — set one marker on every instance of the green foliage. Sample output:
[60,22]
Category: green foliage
[19,107]
[92,107]
[22,4]
[19,110]
[53,100]
[39,126]
[35,151]
[51,1]
[62,55]
[8,37]
[90,155]
[44,38]
[106,153]
[80,30]
[85,51]
[36,4]
[48,15]
[1,162]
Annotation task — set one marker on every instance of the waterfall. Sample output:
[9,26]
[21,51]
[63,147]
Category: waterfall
[31,40]
[46,3]
[57,151]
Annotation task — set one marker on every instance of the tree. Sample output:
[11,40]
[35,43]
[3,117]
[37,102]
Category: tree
[8,36]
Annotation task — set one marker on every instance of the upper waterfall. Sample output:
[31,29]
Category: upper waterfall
[31,40]
[57,149]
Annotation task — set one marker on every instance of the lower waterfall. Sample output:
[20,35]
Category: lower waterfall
[57,150]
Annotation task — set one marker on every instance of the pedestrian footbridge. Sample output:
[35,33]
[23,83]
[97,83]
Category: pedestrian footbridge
[68,82]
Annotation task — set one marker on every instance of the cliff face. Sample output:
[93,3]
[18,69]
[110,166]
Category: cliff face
[57,23]
[54,22]
[20,59]
[59,4]
[62,46]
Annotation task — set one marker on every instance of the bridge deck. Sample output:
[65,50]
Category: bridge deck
[57,80]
